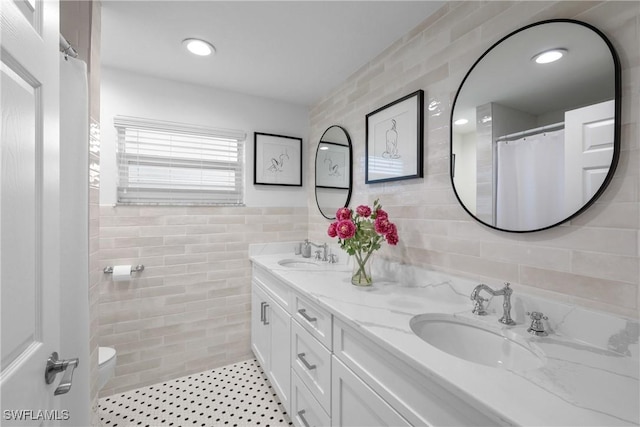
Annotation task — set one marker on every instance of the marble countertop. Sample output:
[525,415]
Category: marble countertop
[580,384]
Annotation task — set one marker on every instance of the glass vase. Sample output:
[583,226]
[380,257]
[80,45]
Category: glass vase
[361,275]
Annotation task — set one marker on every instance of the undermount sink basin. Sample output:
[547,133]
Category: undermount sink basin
[298,263]
[472,342]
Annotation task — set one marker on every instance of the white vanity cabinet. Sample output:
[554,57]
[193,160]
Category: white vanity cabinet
[340,355]
[327,372]
[270,332]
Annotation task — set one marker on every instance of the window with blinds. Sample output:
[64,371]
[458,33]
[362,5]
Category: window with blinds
[165,163]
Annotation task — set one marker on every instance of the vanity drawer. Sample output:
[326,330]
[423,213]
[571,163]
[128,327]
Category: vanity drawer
[356,404]
[413,393]
[312,362]
[279,291]
[314,319]
[305,409]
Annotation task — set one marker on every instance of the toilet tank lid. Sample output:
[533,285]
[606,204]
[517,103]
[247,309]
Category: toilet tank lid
[105,353]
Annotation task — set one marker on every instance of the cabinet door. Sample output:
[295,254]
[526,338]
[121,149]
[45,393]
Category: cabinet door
[353,403]
[259,329]
[279,370]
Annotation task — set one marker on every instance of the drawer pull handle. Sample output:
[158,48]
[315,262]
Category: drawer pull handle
[262,304]
[303,313]
[305,363]
[265,321]
[302,418]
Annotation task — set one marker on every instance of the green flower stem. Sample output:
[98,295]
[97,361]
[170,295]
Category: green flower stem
[362,262]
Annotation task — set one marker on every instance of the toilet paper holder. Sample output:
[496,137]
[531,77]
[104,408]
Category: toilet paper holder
[136,269]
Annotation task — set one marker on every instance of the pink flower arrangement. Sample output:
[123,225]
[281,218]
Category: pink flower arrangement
[364,211]
[383,225]
[392,235]
[346,229]
[343,214]
[361,232]
[332,232]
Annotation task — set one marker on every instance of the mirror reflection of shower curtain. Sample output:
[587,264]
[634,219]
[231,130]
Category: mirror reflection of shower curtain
[530,181]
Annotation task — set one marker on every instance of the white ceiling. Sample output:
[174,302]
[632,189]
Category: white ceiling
[295,51]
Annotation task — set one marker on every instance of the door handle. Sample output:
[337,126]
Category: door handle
[54,366]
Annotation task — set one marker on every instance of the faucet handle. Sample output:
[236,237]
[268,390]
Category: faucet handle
[318,256]
[536,315]
[478,305]
[537,327]
[333,258]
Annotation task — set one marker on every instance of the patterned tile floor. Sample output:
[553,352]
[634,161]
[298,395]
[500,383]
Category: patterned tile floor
[233,395]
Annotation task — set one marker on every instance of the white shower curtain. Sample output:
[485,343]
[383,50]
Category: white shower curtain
[530,182]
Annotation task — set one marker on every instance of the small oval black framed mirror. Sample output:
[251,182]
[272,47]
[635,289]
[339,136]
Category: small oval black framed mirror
[333,171]
[535,126]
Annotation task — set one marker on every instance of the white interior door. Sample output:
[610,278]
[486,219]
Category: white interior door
[29,206]
[589,135]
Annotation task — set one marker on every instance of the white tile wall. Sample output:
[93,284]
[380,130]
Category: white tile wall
[593,260]
[189,310]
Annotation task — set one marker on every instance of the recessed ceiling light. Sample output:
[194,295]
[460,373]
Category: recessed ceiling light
[461,122]
[199,47]
[549,56]
[324,147]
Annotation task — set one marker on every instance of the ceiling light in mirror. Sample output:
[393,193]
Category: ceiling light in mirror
[199,47]
[549,56]
[461,122]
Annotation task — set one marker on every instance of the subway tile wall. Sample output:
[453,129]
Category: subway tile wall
[190,308]
[593,260]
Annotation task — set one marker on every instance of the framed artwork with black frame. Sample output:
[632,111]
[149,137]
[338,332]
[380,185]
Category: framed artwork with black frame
[277,160]
[333,166]
[394,140]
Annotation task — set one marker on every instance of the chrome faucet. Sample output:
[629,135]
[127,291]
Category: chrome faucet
[306,249]
[478,302]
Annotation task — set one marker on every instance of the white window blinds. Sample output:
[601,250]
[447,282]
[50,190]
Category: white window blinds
[166,163]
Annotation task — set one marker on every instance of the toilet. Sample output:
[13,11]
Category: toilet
[106,365]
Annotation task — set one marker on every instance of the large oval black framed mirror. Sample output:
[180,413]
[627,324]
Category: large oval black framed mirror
[333,171]
[535,141]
